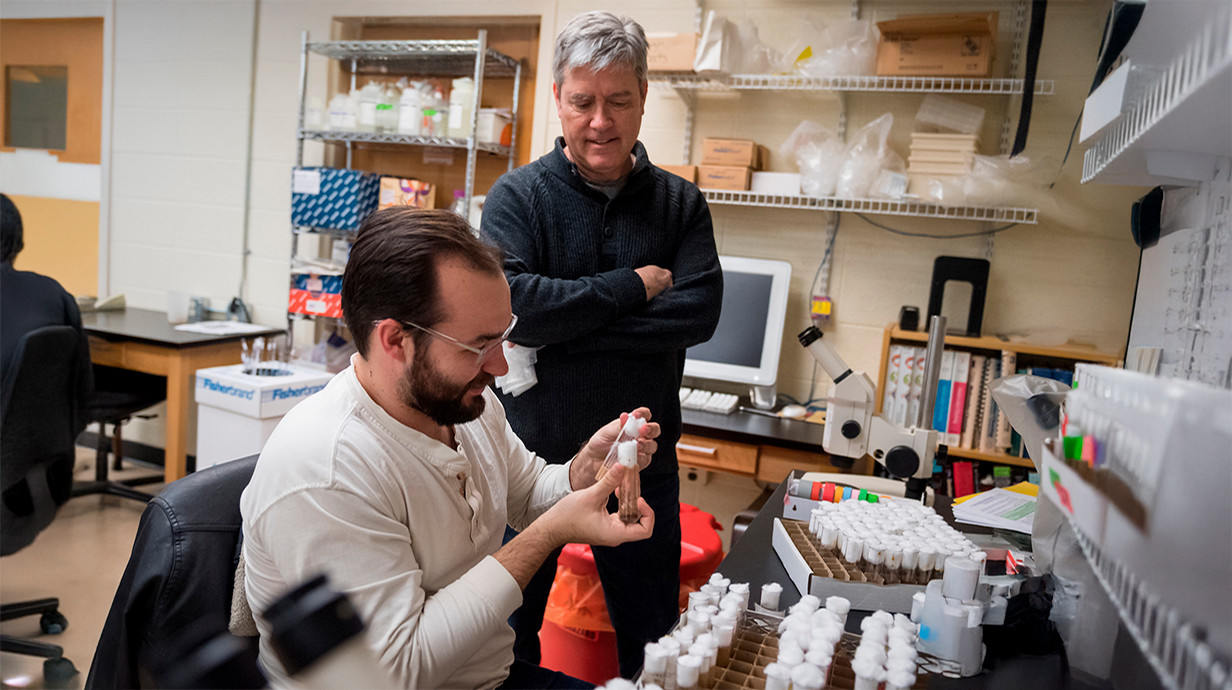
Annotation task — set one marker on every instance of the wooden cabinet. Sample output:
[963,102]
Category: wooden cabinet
[764,462]
[713,454]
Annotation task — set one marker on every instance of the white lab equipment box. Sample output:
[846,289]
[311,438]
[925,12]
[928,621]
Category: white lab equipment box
[237,412]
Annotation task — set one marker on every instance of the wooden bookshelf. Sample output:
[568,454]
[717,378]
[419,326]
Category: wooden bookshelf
[1055,355]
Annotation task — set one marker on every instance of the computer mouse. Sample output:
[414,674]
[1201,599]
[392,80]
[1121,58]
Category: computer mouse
[794,411]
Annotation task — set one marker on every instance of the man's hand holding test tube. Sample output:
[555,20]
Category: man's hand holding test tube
[632,446]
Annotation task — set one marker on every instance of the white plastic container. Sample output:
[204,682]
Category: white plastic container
[368,98]
[492,123]
[461,107]
[342,115]
[237,412]
[410,110]
[387,110]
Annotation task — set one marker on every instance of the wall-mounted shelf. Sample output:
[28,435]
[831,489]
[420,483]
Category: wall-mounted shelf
[401,139]
[889,207]
[1179,127]
[767,82]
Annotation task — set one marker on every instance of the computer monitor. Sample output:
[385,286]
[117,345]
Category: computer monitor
[745,346]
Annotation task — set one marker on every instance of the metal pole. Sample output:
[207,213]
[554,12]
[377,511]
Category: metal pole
[932,371]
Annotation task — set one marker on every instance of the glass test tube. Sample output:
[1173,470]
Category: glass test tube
[724,633]
[770,596]
[688,672]
[629,432]
[630,483]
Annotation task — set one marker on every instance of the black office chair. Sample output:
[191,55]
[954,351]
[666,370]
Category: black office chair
[118,396]
[176,591]
[41,404]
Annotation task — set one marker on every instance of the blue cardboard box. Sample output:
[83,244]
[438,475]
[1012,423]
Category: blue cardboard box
[332,198]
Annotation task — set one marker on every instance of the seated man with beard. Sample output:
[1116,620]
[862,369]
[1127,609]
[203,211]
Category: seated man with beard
[397,479]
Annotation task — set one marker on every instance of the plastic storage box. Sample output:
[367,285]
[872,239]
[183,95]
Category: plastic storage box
[332,198]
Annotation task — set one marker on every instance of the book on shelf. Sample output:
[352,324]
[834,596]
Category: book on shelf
[941,404]
[903,389]
[890,387]
[1009,365]
[975,389]
[958,397]
[916,390]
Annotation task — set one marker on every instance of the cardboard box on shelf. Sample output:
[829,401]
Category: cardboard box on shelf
[316,294]
[688,172]
[775,183]
[671,52]
[332,198]
[397,191]
[933,45]
[495,126]
[730,177]
[716,151]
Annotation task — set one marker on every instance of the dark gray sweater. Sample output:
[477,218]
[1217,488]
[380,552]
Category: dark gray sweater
[569,258]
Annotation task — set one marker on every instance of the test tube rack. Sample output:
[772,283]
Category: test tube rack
[755,644]
[827,563]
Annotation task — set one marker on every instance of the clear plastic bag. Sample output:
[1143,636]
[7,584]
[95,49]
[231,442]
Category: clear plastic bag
[818,153]
[728,47]
[843,48]
[866,157]
[994,181]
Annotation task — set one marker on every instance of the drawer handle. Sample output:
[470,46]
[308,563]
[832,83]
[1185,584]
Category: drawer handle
[700,450]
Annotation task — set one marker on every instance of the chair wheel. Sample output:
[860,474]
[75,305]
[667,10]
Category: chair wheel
[53,623]
[56,672]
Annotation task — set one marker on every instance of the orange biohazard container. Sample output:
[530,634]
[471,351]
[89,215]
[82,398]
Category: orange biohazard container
[577,636]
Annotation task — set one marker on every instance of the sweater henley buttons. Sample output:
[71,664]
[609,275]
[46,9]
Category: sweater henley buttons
[607,232]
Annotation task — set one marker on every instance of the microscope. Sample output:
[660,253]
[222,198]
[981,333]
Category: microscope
[853,430]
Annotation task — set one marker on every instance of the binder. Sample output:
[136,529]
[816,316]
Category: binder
[958,397]
[916,391]
[988,408]
[941,406]
[891,382]
[905,365]
[1009,363]
[975,388]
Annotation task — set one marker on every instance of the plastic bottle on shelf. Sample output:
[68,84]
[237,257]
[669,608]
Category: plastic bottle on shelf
[461,108]
[368,98]
[387,110]
[410,110]
[315,113]
[459,202]
[342,117]
[440,115]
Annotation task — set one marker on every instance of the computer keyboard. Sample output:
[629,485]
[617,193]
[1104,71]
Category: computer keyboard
[708,401]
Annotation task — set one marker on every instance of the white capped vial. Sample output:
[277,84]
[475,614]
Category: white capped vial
[770,596]
[701,651]
[778,677]
[807,677]
[654,664]
[790,656]
[868,674]
[724,633]
[854,551]
[840,606]
[700,620]
[688,672]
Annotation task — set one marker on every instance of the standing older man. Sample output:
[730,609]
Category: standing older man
[398,479]
[614,273]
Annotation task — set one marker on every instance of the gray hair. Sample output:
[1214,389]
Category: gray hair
[597,40]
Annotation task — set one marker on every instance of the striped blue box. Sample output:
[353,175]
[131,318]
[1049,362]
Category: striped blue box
[341,200]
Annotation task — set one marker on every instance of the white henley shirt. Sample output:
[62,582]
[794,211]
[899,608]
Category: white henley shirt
[401,523]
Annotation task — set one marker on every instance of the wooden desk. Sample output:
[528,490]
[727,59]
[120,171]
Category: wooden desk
[142,340]
[754,445]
